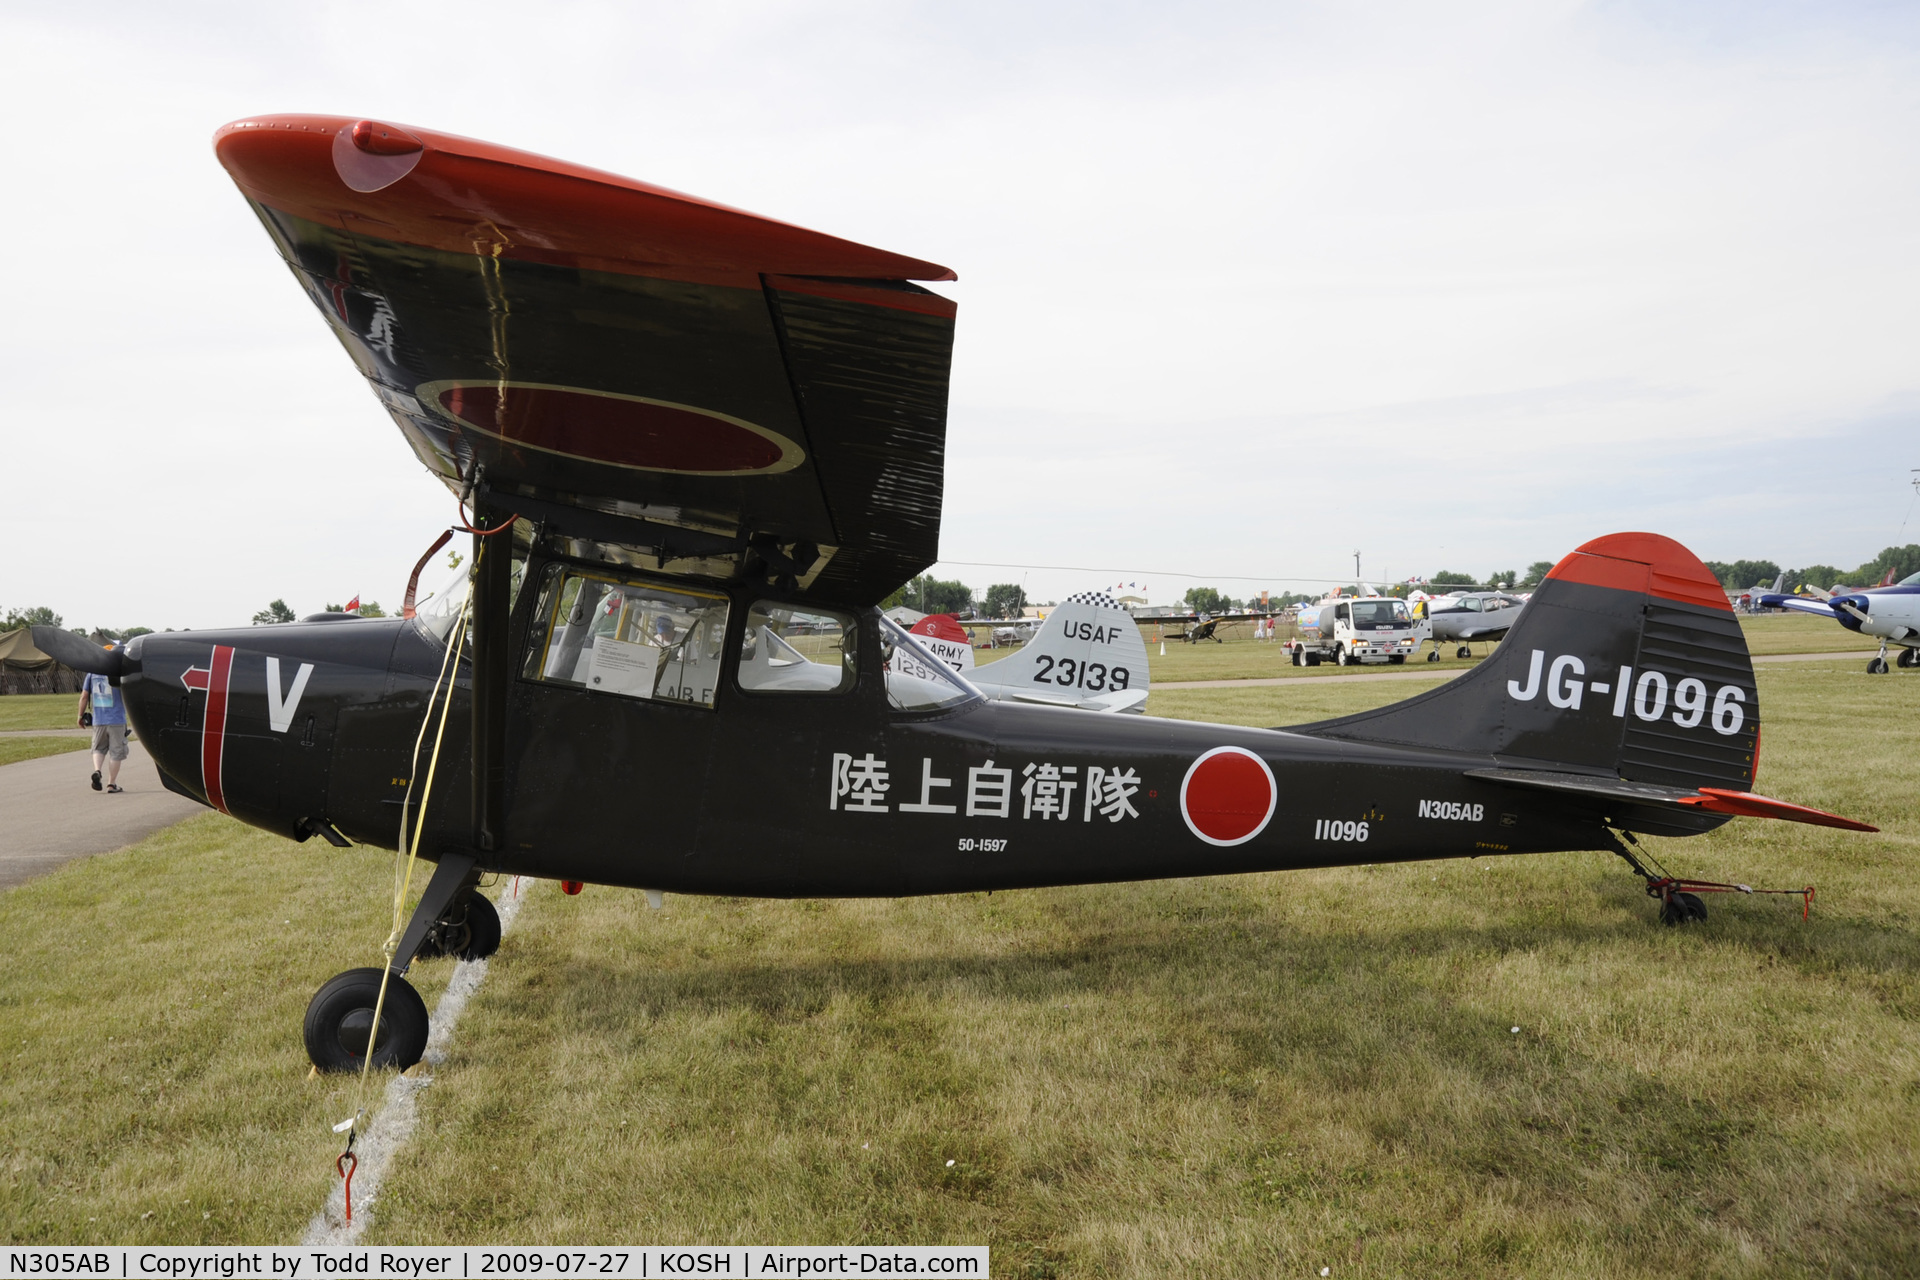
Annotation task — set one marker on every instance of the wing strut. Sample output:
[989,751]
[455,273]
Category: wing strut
[492,668]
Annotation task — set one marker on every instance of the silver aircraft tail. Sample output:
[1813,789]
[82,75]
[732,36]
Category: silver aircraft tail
[1087,654]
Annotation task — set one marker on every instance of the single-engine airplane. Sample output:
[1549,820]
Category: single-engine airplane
[700,446]
[1471,615]
[1889,612]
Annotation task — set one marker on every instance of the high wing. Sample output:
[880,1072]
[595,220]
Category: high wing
[710,392]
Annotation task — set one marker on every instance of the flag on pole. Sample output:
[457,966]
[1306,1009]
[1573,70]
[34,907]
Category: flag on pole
[353,605]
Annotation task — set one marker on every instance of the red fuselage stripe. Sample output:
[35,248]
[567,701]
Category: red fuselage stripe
[213,732]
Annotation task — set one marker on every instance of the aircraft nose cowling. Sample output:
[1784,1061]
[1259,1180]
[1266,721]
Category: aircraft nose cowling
[164,710]
[1848,618]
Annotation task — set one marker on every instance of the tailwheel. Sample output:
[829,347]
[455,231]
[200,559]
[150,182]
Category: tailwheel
[1682,908]
[340,1023]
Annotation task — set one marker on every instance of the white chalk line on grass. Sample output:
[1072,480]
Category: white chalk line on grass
[393,1124]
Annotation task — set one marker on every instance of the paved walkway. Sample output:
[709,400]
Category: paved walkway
[49,816]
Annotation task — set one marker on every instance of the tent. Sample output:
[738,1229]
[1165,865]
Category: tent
[24,669]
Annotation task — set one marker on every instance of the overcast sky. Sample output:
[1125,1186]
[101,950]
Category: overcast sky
[1243,288]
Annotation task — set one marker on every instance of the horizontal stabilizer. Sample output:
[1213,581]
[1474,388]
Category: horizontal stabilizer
[1711,799]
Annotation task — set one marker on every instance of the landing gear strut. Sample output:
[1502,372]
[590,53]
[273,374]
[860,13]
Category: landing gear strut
[1877,665]
[340,1018]
[1680,901]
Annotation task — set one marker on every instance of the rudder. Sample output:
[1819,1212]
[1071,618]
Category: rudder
[1627,661]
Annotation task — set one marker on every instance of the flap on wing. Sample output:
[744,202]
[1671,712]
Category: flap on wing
[695,389]
[1710,799]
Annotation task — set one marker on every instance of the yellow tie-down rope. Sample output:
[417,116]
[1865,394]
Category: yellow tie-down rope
[408,854]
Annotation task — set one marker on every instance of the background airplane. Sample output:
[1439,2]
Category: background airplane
[1890,612]
[1470,616]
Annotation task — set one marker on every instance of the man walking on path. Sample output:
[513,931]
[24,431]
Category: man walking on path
[109,721]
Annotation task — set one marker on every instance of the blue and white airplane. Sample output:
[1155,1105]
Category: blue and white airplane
[1890,612]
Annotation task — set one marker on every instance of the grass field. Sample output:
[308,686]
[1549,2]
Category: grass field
[13,750]
[1257,1075]
[38,710]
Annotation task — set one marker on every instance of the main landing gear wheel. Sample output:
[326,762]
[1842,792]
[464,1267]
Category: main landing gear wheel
[340,1017]
[1907,658]
[1464,651]
[470,930]
[1876,666]
[1683,908]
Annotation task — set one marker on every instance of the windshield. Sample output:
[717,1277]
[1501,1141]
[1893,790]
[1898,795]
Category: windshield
[916,680]
[1380,615]
[441,609]
[1911,580]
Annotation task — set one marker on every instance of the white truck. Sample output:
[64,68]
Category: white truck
[1357,629]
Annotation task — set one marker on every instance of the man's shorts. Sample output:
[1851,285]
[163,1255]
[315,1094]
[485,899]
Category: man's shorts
[112,739]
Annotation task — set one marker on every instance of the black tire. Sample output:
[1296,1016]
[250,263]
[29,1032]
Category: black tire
[1877,666]
[1434,656]
[1340,658]
[341,1012]
[1464,651]
[483,928]
[1313,659]
[1299,658]
[1907,658]
[1398,659]
[1690,903]
[1672,912]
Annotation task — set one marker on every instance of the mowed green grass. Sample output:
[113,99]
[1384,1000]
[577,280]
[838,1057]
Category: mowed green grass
[38,710]
[1241,1076]
[154,1086]
[13,750]
[1256,1075]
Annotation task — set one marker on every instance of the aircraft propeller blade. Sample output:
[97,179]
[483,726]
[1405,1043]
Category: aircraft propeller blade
[77,652]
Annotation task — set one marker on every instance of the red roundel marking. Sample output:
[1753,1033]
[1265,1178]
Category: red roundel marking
[621,430]
[1228,796]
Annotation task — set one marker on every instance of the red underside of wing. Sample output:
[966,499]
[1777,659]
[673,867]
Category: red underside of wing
[1746,804]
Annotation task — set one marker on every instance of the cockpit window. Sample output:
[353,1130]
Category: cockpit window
[611,634]
[441,609]
[916,680]
[788,650]
[1911,580]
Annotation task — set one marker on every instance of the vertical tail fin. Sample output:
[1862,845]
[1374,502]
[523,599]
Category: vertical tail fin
[1088,654]
[1627,661]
